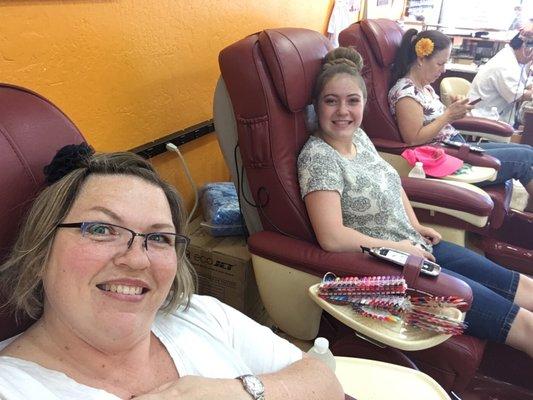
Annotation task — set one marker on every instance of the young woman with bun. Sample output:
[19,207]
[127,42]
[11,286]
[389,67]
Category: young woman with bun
[354,198]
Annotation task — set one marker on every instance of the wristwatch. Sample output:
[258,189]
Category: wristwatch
[253,386]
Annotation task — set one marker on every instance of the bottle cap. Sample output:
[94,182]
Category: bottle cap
[321,345]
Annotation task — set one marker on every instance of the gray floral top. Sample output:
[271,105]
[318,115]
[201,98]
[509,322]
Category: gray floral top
[428,99]
[370,188]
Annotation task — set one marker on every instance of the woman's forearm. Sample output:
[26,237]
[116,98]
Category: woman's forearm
[409,211]
[428,132]
[308,379]
[344,239]
[410,117]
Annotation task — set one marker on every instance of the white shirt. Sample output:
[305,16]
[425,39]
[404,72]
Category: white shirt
[499,83]
[342,16]
[210,339]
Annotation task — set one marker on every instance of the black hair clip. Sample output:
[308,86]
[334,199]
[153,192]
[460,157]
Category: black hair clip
[66,160]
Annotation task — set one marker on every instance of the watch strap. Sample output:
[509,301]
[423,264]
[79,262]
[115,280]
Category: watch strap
[253,386]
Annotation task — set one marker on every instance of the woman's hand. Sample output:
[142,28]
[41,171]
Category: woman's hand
[430,234]
[198,388]
[408,247]
[528,94]
[457,110]
[457,97]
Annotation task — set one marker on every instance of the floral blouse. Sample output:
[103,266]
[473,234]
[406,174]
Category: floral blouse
[429,101]
[370,188]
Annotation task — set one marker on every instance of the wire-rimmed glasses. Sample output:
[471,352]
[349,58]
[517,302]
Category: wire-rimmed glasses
[119,236]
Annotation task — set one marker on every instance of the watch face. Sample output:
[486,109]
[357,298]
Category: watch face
[253,385]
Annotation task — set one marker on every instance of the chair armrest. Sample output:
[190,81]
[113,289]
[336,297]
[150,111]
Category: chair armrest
[310,258]
[473,158]
[484,125]
[448,195]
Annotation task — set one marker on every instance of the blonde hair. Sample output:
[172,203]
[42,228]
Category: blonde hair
[342,60]
[21,274]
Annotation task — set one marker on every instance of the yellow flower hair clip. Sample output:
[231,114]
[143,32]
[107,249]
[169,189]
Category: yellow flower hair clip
[424,47]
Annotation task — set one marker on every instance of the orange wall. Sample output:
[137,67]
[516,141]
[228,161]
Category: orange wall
[131,71]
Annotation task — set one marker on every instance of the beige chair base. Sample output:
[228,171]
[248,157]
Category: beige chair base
[284,292]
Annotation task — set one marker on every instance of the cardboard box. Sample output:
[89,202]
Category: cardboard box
[224,269]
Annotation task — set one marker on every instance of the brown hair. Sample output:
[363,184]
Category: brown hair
[342,60]
[21,274]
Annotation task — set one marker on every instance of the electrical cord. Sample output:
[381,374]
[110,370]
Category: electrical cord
[516,97]
[172,147]
[243,222]
[240,177]
[262,189]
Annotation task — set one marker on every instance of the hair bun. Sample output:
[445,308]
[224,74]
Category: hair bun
[344,55]
[67,159]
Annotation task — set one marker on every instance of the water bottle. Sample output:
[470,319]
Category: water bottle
[417,171]
[321,351]
[494,114]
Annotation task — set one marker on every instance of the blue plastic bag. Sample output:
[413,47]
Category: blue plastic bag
[220,208]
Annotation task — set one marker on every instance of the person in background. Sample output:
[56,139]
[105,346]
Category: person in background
[502,81]
[518,21]
[354,198]
[344,14]
[100,264]
[421,116]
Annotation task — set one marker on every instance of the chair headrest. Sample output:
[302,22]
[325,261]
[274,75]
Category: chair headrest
[294,58]
[384,37]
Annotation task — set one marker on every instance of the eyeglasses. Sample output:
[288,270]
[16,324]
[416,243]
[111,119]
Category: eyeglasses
[119,236]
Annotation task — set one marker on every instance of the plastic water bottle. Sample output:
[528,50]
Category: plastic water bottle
[322,352]
[417,171]
[494,114]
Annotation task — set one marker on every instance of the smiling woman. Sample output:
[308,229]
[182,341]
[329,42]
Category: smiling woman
[114,303]
[355,199]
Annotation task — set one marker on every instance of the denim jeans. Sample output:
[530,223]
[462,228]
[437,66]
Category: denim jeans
[516,160]
[493,287]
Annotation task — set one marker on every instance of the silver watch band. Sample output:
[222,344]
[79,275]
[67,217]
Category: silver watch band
[253,386]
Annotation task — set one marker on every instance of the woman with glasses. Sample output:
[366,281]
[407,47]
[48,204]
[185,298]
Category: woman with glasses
[100,265]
